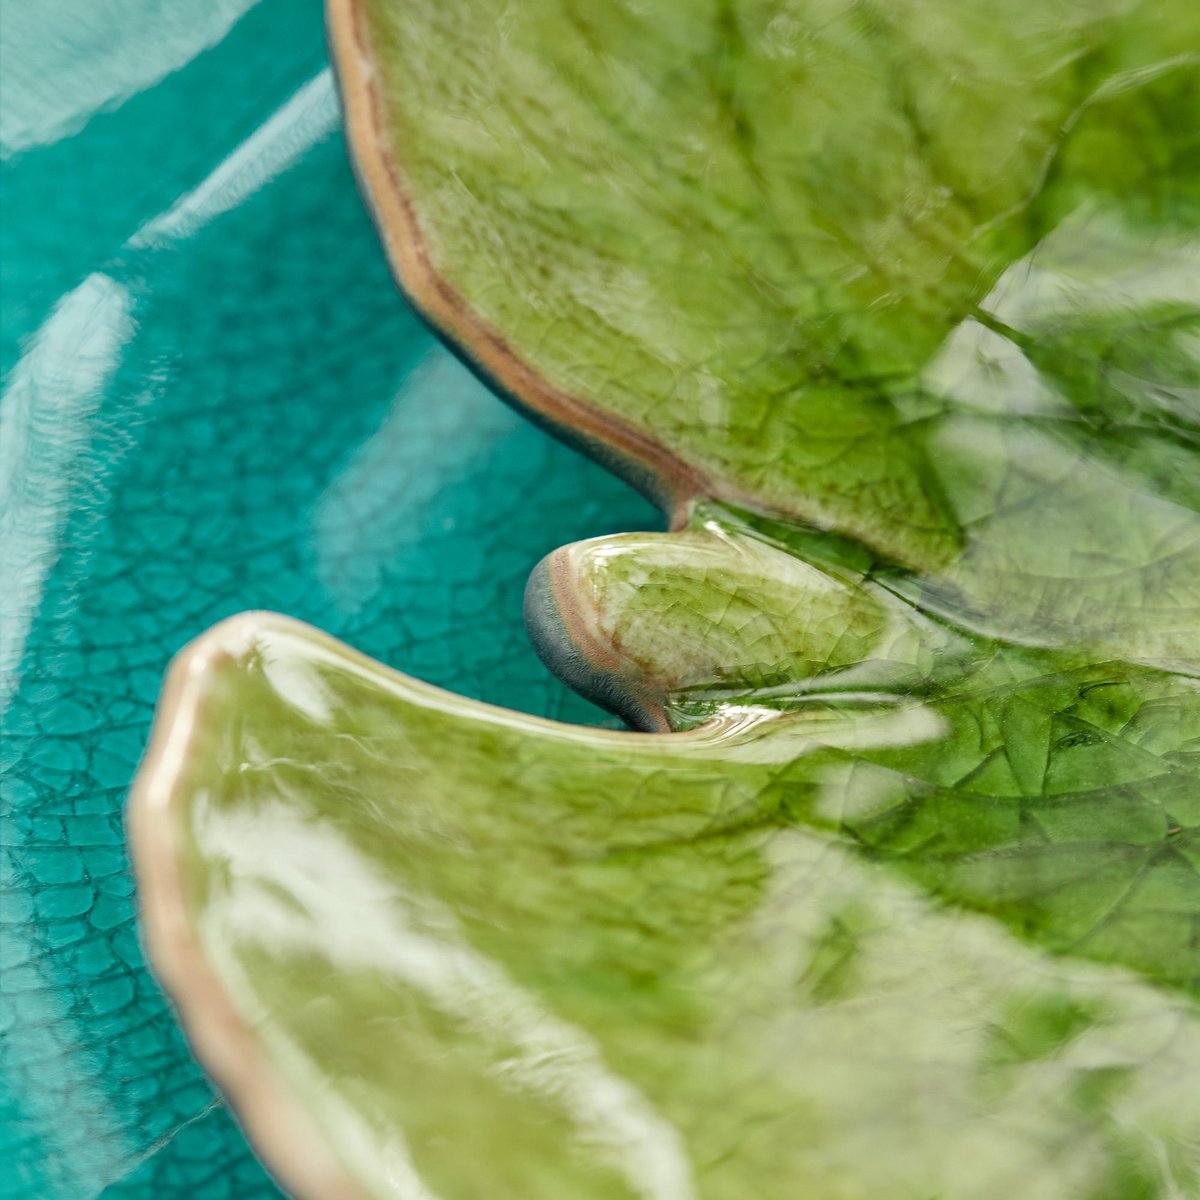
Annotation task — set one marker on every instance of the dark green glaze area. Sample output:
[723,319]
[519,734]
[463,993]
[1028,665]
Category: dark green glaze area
[1058,794]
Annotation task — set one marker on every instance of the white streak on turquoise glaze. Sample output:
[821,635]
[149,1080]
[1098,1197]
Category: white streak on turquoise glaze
[44,426]
[309,117]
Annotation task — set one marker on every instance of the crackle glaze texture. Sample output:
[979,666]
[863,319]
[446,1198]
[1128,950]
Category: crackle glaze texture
[213,400]
[895,309]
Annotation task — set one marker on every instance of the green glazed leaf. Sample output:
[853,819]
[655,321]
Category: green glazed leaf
[896,308]
[438,949]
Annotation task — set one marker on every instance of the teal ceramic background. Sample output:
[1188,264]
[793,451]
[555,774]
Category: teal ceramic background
[214,400]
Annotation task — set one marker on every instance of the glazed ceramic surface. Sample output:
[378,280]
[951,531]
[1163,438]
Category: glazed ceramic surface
[213,400]
[895,312]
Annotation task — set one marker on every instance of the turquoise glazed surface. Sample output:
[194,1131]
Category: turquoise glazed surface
[213,400]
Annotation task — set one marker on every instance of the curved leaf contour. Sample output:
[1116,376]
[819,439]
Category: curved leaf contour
[437,949]
[896,308]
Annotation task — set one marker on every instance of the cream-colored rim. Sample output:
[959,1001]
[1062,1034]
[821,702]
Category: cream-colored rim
[282,1131]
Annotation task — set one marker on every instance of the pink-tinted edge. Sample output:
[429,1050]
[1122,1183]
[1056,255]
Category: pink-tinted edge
[282,1131]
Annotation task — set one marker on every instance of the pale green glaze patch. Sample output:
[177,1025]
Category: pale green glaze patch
[898,308]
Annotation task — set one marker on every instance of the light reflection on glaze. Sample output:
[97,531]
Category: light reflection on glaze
[299,890]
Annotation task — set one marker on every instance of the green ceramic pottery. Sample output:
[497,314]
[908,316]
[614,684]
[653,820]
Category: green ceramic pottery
[895,893]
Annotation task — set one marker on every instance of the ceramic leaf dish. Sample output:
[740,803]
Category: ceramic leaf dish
[895,311]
